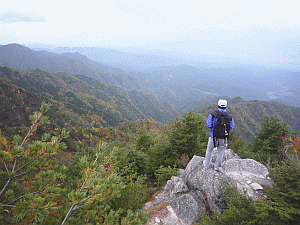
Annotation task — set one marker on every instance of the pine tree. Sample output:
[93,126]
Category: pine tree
[188,136]
[28,178]
[269,143]
[34,190]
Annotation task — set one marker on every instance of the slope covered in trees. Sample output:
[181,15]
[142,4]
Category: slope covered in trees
[177,84]
[102,150]
[87,96]
[88,180]
[108,184]
[248,115]
[38,187]
[85,102]
[20,57]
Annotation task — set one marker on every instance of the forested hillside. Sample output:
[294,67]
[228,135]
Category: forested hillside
[83,105]
[76,150]
[194,76]
[86,95]
[248,115]
[101,105]
[20,57]
[177,84]
[23,58]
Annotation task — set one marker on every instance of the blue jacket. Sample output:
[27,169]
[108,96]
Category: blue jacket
[211,122]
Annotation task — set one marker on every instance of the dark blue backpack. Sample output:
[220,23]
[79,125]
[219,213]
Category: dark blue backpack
[222,126]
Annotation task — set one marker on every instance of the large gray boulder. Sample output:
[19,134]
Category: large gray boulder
[195,189]
[208,184]
[250,176]
[177,199]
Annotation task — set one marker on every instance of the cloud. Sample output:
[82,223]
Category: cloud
[15,17]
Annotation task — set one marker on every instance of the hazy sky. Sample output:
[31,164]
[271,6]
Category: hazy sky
[191,25]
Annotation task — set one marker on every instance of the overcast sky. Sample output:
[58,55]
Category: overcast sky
[191,25]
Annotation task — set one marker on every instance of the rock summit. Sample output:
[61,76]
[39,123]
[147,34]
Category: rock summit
[195,189]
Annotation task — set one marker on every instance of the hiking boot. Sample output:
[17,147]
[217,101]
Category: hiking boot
[219,169]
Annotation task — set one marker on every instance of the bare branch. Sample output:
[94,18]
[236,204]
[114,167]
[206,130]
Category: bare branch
[5,186]
[27,135]
[5,205]
[30,162]
[74,207]
[78,207]
[95,178]
[5,166]
[5,146]
[30,129]
[20,174]
[68,214]
[98,173]
[22,207]
[25,179]
[85,181]
[88,197]
[15,163]
[44,188]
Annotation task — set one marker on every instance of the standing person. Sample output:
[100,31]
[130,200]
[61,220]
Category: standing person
[219,122]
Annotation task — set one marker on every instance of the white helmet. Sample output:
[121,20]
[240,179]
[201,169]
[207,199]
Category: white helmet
[222,103]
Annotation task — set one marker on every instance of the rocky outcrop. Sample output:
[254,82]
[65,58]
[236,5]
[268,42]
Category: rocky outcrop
[196,188]
[250,176]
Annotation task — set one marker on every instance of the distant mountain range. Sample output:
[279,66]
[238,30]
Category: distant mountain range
[243,78]
[166,79]
[23,58]
[93,91]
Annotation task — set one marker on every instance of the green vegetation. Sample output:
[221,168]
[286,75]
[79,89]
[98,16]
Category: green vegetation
[98,152]
[81,96]
[249,115]
[269,143]
[99,184]
[187,137]
[37,189]
[282,206]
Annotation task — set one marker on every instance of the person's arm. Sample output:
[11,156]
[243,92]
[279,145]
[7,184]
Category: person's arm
[209,122]
[231,124]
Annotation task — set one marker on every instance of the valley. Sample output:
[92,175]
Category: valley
[115,96]
[137,123]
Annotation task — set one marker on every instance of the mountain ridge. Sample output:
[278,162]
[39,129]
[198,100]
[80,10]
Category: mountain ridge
[70,63]
[75,90]
[20,57]
[248,115]
[177,84]
[79,96]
